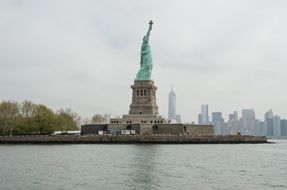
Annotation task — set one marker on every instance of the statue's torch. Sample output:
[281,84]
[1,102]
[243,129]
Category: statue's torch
[150,25]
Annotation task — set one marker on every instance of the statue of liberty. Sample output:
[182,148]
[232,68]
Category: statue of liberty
[146,59]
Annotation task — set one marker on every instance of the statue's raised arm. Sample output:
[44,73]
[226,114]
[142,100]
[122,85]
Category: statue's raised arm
[146,59]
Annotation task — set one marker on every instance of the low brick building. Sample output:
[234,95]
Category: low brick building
[148,129]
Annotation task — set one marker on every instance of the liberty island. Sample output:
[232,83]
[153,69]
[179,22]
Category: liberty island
[143,117]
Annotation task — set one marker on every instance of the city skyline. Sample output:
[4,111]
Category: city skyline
[79,54]
[247,123]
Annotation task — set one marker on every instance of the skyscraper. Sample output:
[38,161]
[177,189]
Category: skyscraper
[234,124]
[233,116]
[248,121]
[276,126]
[269,122]
[283,127]
[172,105]
[204,114]
[199,118]
[217,121]
[216,116]
[248,114]
[268,115]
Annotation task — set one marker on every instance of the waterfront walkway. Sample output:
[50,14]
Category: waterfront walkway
[130,139]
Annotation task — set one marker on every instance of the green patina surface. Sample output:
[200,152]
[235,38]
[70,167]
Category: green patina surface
[144,72]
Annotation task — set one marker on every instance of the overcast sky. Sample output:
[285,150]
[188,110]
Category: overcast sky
[85,54]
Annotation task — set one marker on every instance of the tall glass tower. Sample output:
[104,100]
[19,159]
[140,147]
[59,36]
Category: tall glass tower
[172,105]
[204,114]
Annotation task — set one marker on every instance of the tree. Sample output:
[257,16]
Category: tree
[44,119]
[27,119]
[9,113]
[28,109]
[31,119]
[67,120]
[100,119]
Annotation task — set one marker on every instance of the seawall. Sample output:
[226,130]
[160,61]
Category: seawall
[133,139]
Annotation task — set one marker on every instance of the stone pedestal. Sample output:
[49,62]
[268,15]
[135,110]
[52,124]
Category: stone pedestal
[143,98]
[143,109]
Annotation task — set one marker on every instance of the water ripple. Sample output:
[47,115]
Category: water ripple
[78,167]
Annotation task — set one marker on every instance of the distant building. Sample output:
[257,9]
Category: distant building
[269,122]
[172,105]
[248,121]
[276,126]
[178,118]
[172,116]
[233,124]
[233,116]
[248,114]
[283,124]
[234,127]
[268,115]
[216,116]
[204,114]
[218,122]
[199,119]
[224,129]
[261,128]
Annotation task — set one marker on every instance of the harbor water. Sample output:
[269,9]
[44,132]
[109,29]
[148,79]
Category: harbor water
[103,166]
